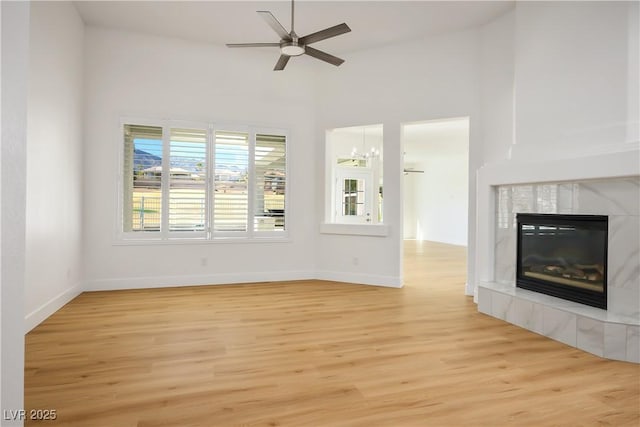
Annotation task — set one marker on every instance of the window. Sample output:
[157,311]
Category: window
[352,196]
[220,183]
[353,199]
[270,182]
[231,199]
[142,178]
[188,180]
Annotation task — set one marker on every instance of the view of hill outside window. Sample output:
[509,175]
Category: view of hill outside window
[143,178]
[231,199]
[245,195]
[188,180]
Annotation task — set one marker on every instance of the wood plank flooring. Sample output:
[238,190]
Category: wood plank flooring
[315,353]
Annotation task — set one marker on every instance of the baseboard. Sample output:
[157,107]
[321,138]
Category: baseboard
[195,279]
[236,278]
[37,316]
[470,290]
[361,279]
[40,314]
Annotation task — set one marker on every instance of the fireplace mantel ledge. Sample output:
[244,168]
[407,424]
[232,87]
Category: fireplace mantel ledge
[600,166]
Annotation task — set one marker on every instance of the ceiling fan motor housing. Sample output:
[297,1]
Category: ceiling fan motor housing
[291,48]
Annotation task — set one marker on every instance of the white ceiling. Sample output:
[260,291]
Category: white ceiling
[373,23]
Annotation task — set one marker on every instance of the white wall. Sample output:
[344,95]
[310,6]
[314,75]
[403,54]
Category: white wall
[497,87]
[54,160]
[133,75]
[572,78]
[15,59]
[426,79]
[440,199]
[633,69]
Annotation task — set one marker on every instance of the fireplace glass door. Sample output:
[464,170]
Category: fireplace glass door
[564,256]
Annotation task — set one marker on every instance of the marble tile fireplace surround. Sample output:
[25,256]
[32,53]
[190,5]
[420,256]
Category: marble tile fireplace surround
[613,333]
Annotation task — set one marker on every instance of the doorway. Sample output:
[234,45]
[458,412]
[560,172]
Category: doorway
[436,189]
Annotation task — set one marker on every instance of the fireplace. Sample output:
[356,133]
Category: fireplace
[564,256]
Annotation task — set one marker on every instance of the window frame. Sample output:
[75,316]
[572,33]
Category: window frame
[209,235]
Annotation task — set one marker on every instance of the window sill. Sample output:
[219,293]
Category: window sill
[375,230]
[199,241]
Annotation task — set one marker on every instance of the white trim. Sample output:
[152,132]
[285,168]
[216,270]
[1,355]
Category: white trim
[251,184]
[157,282]
[375,230]
[165,180]
[470,290]
[610,165]
[41,313]
[147,282]
[217,239]
[360,278]
[211,175]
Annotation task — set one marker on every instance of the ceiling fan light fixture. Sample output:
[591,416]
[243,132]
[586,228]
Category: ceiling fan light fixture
[291,49]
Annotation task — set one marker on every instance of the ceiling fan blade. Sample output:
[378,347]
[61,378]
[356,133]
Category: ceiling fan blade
[253,44]
[282,62]
[323,56]
[275,24]
[325,34]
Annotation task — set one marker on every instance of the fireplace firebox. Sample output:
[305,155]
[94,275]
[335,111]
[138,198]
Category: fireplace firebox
[564,256]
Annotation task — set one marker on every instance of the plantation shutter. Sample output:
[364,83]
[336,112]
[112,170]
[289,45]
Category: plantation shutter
[142,178]
[188,180]
[270,181]
[231,183]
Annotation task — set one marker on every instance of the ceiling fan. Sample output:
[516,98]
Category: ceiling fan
[292,45]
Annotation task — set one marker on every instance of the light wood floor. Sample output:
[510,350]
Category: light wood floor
[316,354]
